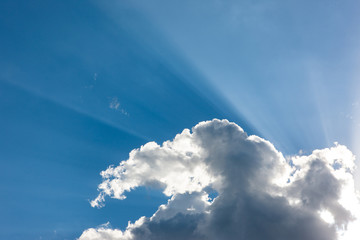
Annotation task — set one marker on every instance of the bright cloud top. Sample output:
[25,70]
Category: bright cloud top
[261,195]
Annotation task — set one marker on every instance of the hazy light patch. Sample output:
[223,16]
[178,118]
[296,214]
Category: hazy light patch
[352,232]
[327,216]
[355,122]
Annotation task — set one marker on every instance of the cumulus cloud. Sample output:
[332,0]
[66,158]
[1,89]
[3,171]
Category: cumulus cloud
[260,194]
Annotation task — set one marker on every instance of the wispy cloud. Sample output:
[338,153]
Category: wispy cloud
[115,105]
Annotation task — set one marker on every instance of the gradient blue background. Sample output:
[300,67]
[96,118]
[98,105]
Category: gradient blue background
[284,70]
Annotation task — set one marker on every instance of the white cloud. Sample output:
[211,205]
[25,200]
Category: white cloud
[261,195]
[115,105]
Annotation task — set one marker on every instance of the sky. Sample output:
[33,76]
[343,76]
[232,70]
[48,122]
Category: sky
[90,90]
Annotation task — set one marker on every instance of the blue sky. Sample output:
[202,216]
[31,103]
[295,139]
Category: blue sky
[82,83]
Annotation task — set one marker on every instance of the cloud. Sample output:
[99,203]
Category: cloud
[260,194]
[115,105]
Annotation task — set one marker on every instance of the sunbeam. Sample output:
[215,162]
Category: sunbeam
[232,119]
[76,110]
